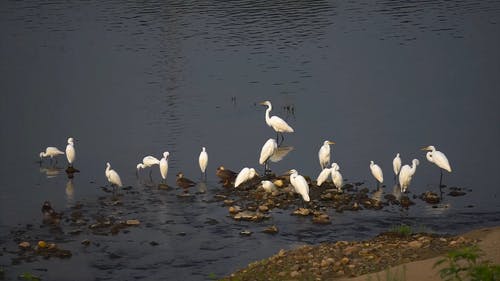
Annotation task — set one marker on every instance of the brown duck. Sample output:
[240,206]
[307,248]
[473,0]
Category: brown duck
[226,176]
[183,182]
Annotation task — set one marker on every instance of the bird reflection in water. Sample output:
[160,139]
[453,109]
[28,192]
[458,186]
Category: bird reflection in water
[50,172]
[70,191]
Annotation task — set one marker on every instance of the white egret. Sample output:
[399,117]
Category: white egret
[279,125]
[268,149]
[164,165]
[337,179]
[406,174]
[244,175]
[438,158]
[113,177]
[203,161]
[299,184]
[396,165]
[377,173]
[324,154]
[323,176]
[70,151]
[51,152]
[147,161]
[268,186]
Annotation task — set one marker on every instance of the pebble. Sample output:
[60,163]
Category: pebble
[24,245]
[415,244]
[132,222]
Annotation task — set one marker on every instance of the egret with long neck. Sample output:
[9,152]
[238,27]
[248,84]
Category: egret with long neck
[279,125]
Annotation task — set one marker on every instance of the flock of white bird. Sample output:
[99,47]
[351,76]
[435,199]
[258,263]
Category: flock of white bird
[270,148]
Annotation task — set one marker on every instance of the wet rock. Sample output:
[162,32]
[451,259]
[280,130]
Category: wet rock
[406,202]
[228,202]
[302,212]
[263,208]
[430,197]
[234,209]
[345,260]
[24,245]
[42,244]
[271,229]
[321,219]
[249,216]
[294,274]
[245,233]
[350,250]
[133,222]
[154,243]
[85,242]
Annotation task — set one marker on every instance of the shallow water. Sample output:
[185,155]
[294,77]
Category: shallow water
[134,79]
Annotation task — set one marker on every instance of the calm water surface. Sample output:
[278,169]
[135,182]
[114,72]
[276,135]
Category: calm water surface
[130,79]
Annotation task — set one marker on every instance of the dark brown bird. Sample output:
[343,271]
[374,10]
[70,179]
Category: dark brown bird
[183,182]
[226,176]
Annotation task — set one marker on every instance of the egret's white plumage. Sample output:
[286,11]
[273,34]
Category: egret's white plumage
[324,154]
[51,152]
[70,151]
[406,174]
[396,164]
[299,184]
[437,157]
[279,125]
[268,186]
[148,161]
[164,165]
[337,179]
[112,176]
[268,150]
[376,172]
[244,175]
[323,176]
[203,160]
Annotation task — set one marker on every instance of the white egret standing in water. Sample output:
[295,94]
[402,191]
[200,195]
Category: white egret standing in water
[112,176]
[377,173]
[337,179]
[406,174]
[203,161]
[164,165]
[396,165]
[268,150]
[279,125]
[51,152]
[70,151]
[244,175]
[147,161]
[299,184]
[324,154]
[438,158]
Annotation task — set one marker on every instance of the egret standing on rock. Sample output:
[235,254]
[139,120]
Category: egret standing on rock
[324,154]
[203,161]
[244,175]
[406,174]
[279,125]
[438,158]
[70,152]
[337,179]
[113,177]
[164,165]
[299,184]
[51,152]
[268,150]
[147,161]
[323,176]
[396,165]
[377,173]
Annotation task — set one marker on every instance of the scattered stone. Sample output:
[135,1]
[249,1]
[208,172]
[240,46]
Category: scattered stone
[415,244]
[321,219]
[245,233]
[24,245]
[85,242]
[263,208]
[302,212]
[271,229]
[133,222]
[430,197]
[234,209]
[154,243]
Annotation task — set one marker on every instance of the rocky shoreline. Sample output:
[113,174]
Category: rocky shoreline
[343,259]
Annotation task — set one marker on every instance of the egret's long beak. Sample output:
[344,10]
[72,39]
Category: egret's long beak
[289,172]
[425,148]
[331,142]
[262,103]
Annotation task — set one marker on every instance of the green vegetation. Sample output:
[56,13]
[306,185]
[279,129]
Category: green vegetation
[465,264]
[402,230]
[29,277]
[212,276]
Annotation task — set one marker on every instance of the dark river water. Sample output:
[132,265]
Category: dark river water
[128,79]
